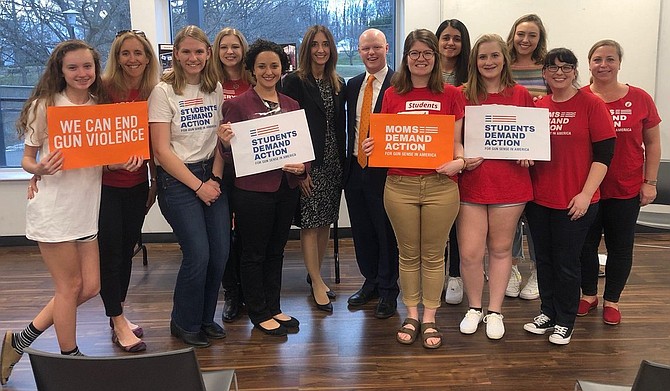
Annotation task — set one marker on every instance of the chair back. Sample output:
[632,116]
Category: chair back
[175,370]
[652,377]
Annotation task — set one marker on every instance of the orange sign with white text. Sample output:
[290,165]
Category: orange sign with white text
[101,134]
[411,140]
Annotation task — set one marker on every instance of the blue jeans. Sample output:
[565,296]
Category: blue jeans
[203,233]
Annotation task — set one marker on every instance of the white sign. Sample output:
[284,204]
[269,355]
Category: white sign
[507,132]
[267,143]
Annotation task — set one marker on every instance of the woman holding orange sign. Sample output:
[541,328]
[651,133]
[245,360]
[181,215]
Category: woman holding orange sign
[422,204]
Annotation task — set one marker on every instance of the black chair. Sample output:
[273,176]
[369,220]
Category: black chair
[650,377]
[176,370]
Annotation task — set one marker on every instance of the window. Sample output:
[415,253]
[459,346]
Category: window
[29,30]
[285,22]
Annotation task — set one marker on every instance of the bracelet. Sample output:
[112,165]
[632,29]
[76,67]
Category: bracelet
[465,163]
[651,182]
[201,183]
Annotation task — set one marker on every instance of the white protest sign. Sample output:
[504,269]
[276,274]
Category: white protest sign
[507,132]
[267,143]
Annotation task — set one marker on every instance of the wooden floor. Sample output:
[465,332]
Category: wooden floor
[352,350]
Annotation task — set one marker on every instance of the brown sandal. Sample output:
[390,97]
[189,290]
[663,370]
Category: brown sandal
[406,330]
[426,335]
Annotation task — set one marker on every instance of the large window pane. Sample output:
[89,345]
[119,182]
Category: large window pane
[285,21]
[29,30]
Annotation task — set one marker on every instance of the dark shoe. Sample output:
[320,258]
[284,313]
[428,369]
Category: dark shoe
[292,323]
[385,308]
[196,339]
[138,331]
[278,332]
[426,335]
[362,296]
[331,295]
[213,331]
[323,307]
[409,331]
[135,348]
[231,307]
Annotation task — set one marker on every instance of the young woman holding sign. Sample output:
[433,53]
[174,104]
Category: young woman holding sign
[130,75]
[184,115]
[264,203]
[63,216]
[422,204]
[566,192]
[493,192]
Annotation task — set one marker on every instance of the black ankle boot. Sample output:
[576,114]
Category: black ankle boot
[231,306]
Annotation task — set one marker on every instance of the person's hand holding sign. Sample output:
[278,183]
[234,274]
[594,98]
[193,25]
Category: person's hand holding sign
[50,163]
[133,164]
[225,133]
[525,163]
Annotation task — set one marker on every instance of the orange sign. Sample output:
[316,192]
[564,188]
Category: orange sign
[100,134]
[411,140]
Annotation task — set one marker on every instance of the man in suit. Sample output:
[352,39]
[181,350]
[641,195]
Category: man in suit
[374,240]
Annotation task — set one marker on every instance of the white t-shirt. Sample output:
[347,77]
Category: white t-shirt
[67,204]
[194,118]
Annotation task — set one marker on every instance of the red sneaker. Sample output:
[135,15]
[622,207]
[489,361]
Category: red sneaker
[585,307]
[611,316]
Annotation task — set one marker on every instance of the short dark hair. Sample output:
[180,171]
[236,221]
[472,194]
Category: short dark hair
[260,46]
[562,55]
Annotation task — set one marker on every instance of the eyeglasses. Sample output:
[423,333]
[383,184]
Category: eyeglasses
[136,32]
[415,54]
[566,68]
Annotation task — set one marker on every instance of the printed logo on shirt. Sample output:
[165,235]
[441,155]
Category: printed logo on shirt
[191,102]
[228,94]
[423,105]
[619,116]
[194,115]
[558,120]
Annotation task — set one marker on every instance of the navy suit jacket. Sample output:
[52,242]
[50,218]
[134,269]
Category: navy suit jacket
[353,88]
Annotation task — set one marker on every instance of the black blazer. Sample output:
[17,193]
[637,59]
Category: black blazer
[307,94]
[353,88]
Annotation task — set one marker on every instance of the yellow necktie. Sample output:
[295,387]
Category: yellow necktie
[364,126]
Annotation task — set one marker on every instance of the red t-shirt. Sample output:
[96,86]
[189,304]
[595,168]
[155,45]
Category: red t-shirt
[498,181]
[124,178]
[632,115]
[233,88]
[574,125]
[424,101]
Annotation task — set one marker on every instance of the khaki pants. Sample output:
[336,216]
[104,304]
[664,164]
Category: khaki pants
[422,210]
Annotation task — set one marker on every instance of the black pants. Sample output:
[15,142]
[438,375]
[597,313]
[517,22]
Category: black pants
[451,253]
[558,245]
[616,218]
[231,275]
[122,212]
[374,240]
[264,221]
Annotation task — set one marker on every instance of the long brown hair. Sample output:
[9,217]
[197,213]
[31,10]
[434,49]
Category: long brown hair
[177,77]
[113,76]
[53,82]
[220,69]
[541,50]
[475,90]
[305,57]
[402,80]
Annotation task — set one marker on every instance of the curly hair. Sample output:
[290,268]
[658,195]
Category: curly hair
[261,46]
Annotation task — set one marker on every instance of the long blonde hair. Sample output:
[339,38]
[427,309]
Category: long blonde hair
[114,77]
[541,50]
[305,61]
[475,90]
[176,77]
[53,82]
[220,69]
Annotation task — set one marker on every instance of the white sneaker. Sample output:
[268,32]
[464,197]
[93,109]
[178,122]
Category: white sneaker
[454,290]
[514,284]
[531,291]
[495,329]
[471,321]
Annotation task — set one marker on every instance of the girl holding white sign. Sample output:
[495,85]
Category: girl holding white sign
[493,192]
[63,216]
[566,192]
[184,115]
[422,204]
[629,184]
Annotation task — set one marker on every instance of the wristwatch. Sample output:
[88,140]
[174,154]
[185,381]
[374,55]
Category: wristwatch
[215,178]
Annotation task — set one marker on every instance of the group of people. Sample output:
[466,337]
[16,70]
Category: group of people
[233,230]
